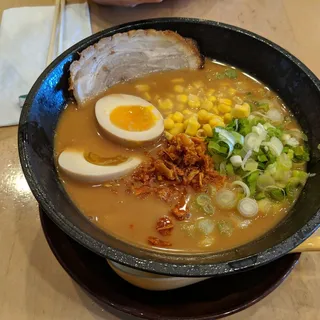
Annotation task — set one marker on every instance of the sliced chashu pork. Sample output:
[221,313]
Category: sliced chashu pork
[129,55]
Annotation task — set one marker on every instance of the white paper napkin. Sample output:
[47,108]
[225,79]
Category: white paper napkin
[24,42]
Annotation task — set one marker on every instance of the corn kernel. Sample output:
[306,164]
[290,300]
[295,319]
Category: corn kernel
[178,128]
[228,102]
[165,104]
[215,110]
[182,98]
[208,130]
[203,116]
[227,117]
[168,123]
[232,91]
[177,117]
[194,101]
[185,124]
[168,135]
[194,104]
[192,127]
[201,134]
[224,108]
[207,105]
[216,122]
[147,96]
[187,113]
[178,88]
[177,80]
[211,115]
[142,87]
[198,84]
[180,106]
[241,111]
[210,92]
[212,99]
[193,97]
[190,89]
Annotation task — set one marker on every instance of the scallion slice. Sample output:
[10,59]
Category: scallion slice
[226,199]
[245,188]
[248,207]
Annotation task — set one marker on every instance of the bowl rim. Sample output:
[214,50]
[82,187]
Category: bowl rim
[165,268]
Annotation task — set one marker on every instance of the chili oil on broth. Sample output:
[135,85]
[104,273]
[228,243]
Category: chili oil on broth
[124,215]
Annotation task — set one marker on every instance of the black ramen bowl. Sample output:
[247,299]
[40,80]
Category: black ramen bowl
[277,68]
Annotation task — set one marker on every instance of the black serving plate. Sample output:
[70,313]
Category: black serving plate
[211,299]
[277,68]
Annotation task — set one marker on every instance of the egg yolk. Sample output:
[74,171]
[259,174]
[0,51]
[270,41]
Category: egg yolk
[133,118]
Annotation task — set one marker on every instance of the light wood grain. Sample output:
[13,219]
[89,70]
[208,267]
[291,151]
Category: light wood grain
[33,286]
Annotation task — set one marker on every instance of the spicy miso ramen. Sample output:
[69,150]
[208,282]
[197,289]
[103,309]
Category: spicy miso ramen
[186,160]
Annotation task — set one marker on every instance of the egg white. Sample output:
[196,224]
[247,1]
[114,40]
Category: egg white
[106,105]
[74,164]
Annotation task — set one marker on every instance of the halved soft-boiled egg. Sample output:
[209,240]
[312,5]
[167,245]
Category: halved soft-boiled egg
[129,118]
[89,167]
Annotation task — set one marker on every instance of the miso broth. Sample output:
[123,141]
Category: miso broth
[195,104]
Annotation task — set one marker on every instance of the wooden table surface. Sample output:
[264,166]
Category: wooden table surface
[33,285]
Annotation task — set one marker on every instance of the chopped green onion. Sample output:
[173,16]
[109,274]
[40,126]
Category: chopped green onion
[233,125]
[229,169]
[265,206]
[231,73]
[225,227]
[252,181]
[274,132]
[245,158]
[284,162]
[205,225]
[275,115]
[301,175]
[226,199]
[275,145]
[275,193]
[262,158]
[236,161]
[189,229]
[297,133]
[260,196]
[244,126]
[222,168]
[293,187]
[239,138]
[252,141]
[250,165]
[260,131]
[248,207]
[264,181]
[249,173]
[203,199]
[226,137]
[300,154]
[245,188]
[208,209]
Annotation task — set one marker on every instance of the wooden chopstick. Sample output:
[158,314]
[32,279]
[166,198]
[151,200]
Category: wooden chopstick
[56,15]
[60,4]
[61,29]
